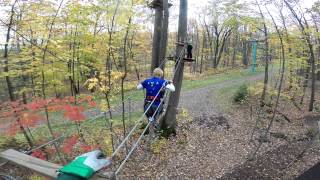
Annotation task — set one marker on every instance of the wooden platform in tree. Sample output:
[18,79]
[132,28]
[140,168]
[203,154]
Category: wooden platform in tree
[189,59]
[158,3]
[155,3]
[184,59]
[170,58]
[39,166]
[180,43]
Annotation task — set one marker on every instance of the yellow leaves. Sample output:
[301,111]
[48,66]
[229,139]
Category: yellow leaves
[35,177]
[116,75]
[103,105]
[130,86]
[91,83]
[158,145]
[107,145]
[256,90]
[104,89]
[184,115]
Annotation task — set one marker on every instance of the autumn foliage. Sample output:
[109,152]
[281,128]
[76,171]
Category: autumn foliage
[31,114]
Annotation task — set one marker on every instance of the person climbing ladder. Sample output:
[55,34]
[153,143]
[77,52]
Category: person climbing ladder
[155,88]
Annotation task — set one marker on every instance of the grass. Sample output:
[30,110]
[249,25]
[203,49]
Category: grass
[224,97]
[138,95]
[219,78]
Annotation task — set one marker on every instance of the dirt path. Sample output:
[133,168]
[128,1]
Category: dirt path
[199,101]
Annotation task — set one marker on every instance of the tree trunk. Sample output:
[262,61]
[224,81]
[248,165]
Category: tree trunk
[266,58]
[216,48]
[197,48]
[169,123]
[124,75]
[225,36]
[313,76]
[280,36]
[156,38]
[6,54]
[244,53]
[43,89]
[164,37]
[110,32]
[202,50]
[234,53]
[306,34]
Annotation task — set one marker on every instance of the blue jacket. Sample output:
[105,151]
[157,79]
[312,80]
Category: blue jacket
[152,86]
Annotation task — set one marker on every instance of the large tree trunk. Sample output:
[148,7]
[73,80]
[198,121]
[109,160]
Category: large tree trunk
[164,37]
[169,123]
[156,37]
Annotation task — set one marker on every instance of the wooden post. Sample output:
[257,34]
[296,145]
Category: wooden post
[169,122]
[157,5]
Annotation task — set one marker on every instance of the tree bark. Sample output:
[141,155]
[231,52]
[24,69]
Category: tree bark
[157,33]
[6,54]
[244,53]
[202,50]
[125,40]
[219,54]
[266,58]
[216,46]
[234,53]
[164,37]
[169,123]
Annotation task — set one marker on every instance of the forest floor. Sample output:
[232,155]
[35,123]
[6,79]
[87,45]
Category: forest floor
[213,140]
